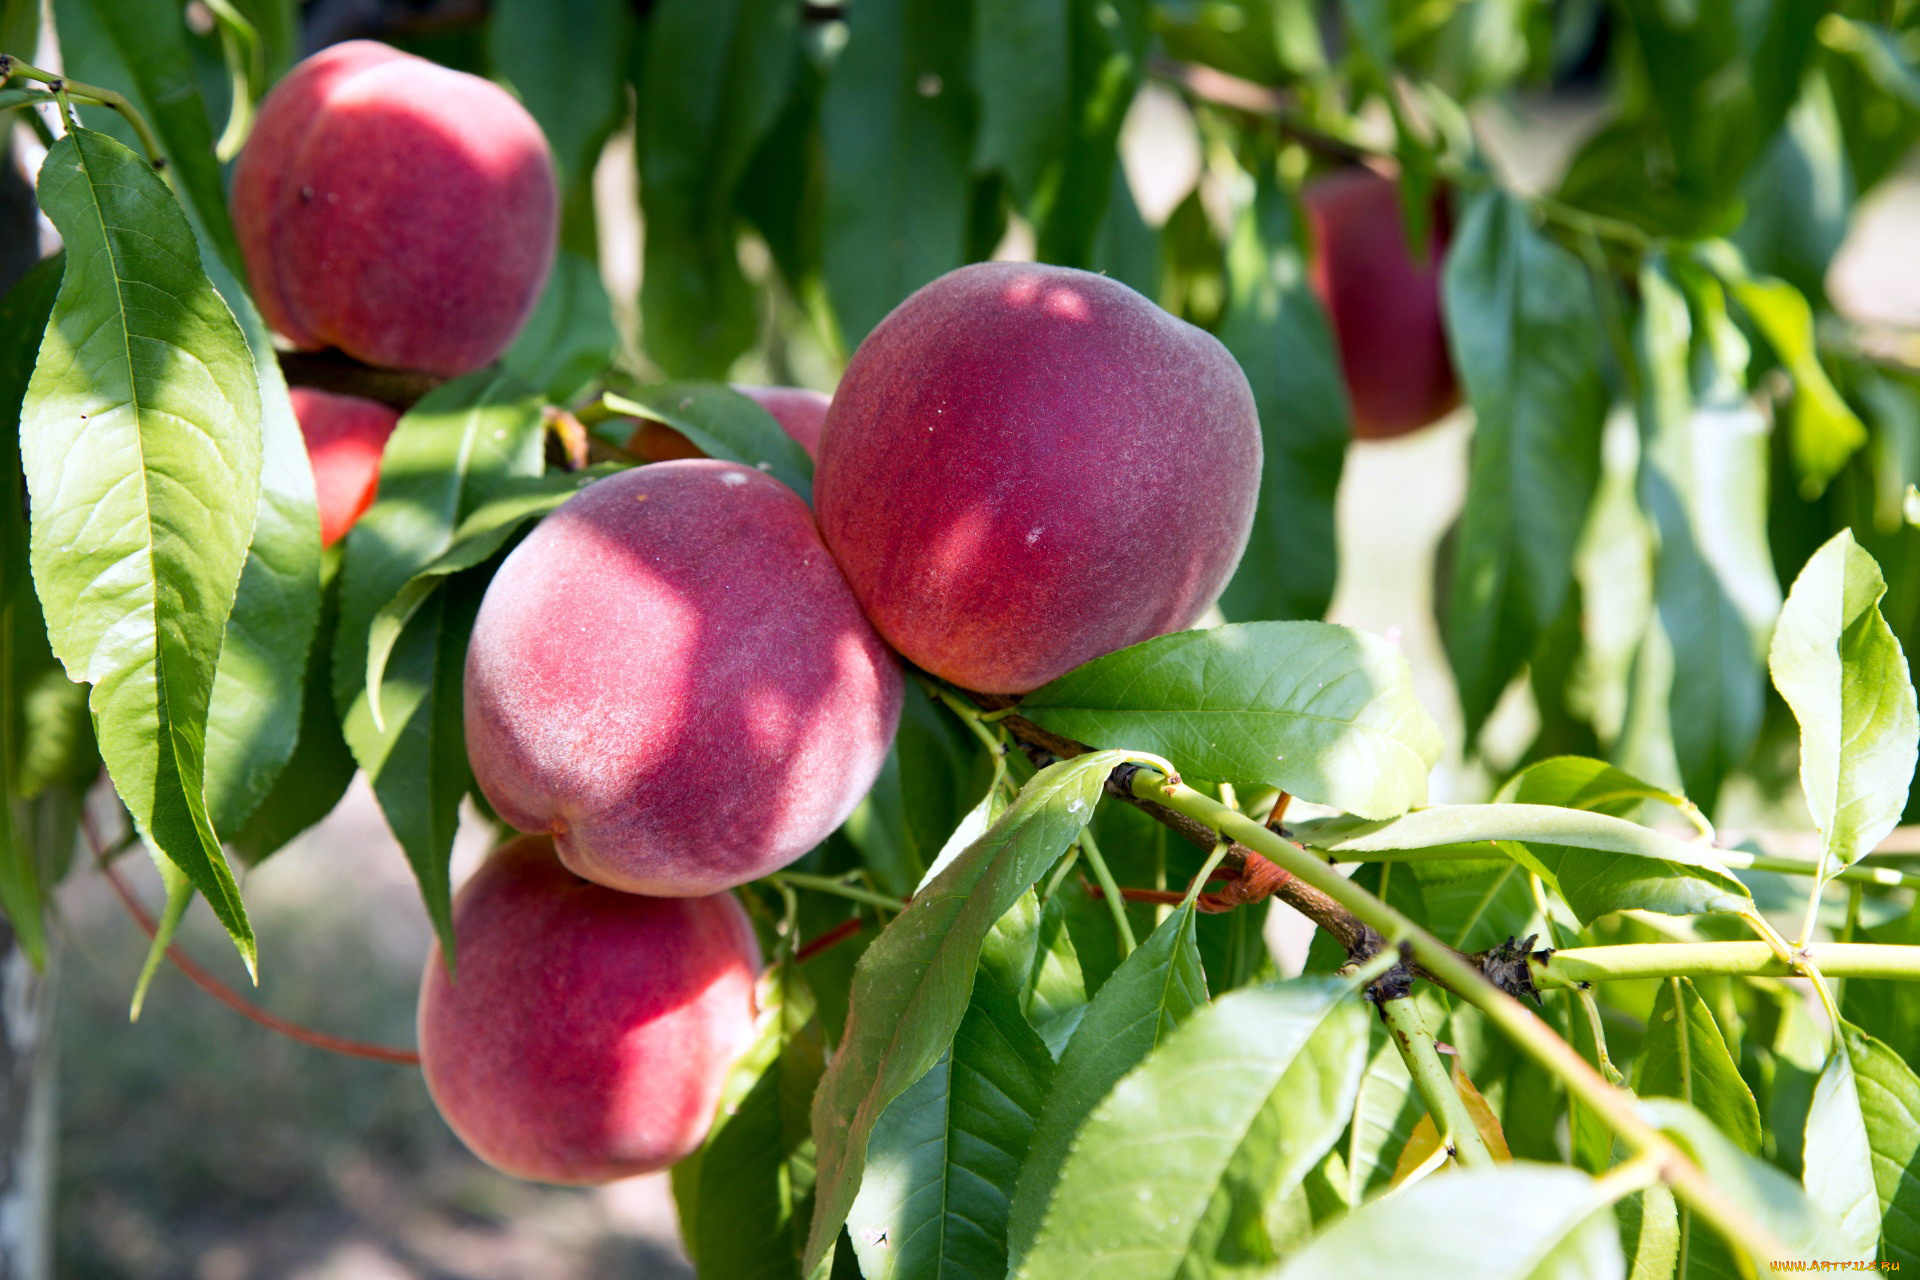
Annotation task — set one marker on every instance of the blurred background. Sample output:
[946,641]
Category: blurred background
[198,1145]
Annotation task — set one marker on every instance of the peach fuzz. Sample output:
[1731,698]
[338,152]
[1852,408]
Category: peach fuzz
[345,436]
[671,677]
[801,413]
[1385,307]
[399,210]
[1026,467]
[586,1034]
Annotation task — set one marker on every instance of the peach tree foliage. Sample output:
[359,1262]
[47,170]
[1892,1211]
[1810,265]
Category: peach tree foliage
[1019,1073]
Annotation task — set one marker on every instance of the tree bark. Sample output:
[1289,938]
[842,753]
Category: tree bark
[27,1114]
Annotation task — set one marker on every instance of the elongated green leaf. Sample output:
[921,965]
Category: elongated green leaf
[23,318]
[569,339]
[321,767]
[1703,479]
[1153,991]
[1766,1194]
[715,77]
[1325,712]
[1172,1172]
[911,988]
[1524,332]
[1385,1111]
[254,721]
[1513,1222]
[1107,48]
[1842,671]
[1577,782]
[480,536]
[139,47]
[1595,884]
[1826,431]
[1862,1155]
[141,442]
[1685,1057]
[1276,329]
[897,124]
[942,1160]
[456,449]
[142,48]
[1021,56]
[934,774]
[742,1198]
[1030,953]
[179,898]
[567,61]
[1599,863]
[724,424]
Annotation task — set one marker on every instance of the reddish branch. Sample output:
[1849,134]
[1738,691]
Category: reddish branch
[233,999]
[832,937]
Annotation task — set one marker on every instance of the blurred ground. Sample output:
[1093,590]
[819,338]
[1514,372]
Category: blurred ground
[197,1146]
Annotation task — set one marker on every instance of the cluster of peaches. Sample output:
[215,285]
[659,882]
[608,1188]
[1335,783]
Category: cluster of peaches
[684,678]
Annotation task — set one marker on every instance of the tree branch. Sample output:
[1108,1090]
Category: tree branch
[342,375]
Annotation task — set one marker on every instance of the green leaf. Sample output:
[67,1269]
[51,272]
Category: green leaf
[932,776]
[1154,990]
[23,318]
[1323,712]
[742,1198]
[141,442]
[568,341]
[1765,1193]
[1703,480]
[1648,869]
[1684,1056]
[254,720]
[1513,1222]
[1031,955]
[140,48]
[321,767]
[179,898]
[1021,55]
[1524,331]
[911,988]
[457,448]
[1172,1171]
[897,124]
[478,539]
[566,59]
[1276,329]
[1826,431]
[1839,667]
[942,1159]
[1576,782]
[714,80]
[723,424]
[1862,1153]
[1107,56]
[1385,1110]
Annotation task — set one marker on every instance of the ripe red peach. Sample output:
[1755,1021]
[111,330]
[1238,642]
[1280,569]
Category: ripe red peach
[800,413]
[396,209]
[671,677]
[345,436]
[586,1034]
[1026,467]
[1385,307]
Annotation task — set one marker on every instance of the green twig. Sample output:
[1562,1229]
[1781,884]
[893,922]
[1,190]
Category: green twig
[1730,859]
[1616,1108]
[1458,1133]
[1722,959]
[827,884]
[1110,890]
[11,66]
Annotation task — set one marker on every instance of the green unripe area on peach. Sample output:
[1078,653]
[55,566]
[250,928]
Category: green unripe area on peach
[587,1033]
[397,209]
[671,677]
[1026,467]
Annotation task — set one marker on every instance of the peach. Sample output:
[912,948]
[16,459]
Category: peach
[586,1033]
[670,676]
[399,210]
[800,413]
[345,436]
[1026,467]
[1385,307]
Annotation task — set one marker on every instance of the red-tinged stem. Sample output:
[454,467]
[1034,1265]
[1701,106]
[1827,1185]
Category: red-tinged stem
[831,938]
[240,1004]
